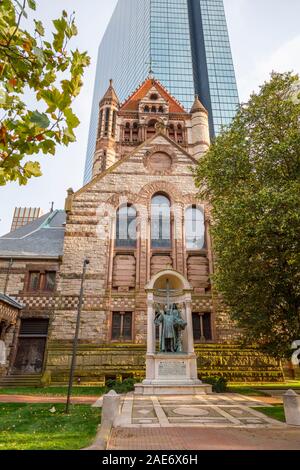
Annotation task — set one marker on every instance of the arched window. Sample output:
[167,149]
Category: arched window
[126,227]
[107,116]
[127,132]
[153,109]
[179,134]
[160,221]
[146,109]
[114,123]
[100,124]
[135,132]
[151,128]
[161,109]
[154,97]
[194,228]
[171,131]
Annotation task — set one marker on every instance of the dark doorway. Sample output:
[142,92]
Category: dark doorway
[31,347]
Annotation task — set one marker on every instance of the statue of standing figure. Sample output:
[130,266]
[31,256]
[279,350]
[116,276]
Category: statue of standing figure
[172,325]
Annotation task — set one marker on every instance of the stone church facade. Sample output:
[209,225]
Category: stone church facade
[138,218]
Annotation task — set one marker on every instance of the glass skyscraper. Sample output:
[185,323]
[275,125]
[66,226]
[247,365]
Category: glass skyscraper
[186,45]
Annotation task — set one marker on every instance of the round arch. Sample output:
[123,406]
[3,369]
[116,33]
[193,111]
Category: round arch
[180,282]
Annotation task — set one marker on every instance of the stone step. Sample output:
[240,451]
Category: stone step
[11,381]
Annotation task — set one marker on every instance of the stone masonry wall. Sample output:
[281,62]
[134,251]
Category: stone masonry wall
[134,182]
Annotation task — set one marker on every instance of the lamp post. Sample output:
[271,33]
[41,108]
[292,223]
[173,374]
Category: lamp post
[75,342]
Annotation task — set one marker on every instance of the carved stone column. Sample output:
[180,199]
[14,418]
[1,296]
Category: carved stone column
[150,324]
[189,328]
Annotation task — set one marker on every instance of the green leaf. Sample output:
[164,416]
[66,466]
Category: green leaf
[32,4]
[39,27]
[40,119]
[32,169]
[71,118]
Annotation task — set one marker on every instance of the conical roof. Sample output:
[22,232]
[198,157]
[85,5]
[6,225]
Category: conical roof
[110,94]
[198,106]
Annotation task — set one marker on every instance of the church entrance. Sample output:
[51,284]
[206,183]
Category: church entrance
[31,347]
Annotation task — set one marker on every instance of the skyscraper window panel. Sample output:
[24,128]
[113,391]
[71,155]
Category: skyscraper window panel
[180,39]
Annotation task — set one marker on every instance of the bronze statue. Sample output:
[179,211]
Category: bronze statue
[172,326]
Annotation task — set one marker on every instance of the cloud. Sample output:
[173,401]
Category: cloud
[283,59]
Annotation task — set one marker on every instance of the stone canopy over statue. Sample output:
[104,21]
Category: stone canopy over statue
[172,325]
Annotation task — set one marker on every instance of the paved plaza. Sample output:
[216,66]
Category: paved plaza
[202,422]
[227,410]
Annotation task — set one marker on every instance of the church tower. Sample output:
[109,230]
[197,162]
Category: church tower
[200,129]
[105,152]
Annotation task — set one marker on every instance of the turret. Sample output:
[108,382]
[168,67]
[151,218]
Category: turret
[200,129]
[105,152]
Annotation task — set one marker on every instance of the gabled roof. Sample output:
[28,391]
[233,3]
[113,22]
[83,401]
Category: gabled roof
[10,301]
[127,157]
[43,238]
[132,103]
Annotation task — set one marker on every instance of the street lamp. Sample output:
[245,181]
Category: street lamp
[75,342]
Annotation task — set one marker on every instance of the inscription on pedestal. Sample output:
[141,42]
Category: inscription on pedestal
[177,369]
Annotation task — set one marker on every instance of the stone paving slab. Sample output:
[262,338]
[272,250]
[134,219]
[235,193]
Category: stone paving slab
[215,410]
[210,438]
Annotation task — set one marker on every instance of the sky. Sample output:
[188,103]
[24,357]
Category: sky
[264,34]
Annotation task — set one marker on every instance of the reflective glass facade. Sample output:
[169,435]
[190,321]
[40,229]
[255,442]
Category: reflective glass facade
[184,42]
[217,75]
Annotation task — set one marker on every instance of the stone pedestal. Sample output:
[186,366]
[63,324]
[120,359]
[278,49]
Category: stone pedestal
[291,403]
[171,374]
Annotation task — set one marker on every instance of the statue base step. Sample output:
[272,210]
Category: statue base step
[175,389]
[172,374]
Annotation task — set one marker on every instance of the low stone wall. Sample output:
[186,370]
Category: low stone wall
[95,363]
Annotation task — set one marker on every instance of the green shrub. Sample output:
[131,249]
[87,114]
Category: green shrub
[219,384]
[121,387]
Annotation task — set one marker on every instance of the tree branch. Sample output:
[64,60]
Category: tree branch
[18,23]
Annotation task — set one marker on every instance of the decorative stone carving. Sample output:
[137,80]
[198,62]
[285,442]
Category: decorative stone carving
[160,160]
[160,163]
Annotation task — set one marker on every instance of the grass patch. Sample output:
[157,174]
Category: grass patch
[259,389]
[77,391]
[275,412]
[34,427]
[245,390]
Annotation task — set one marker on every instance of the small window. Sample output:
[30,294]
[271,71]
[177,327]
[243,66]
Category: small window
[151,130]
[135,132]
[50,278]
[161,221]
[42,281]
[100,124]
[171,131]
[126,227]
[194,228]
[154,97]
[127,132]
[146,109]
[114,123]
[179,134]
[202,327]
[34,282]
[121,326]
[107,117]
[161,109]
[153,109]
